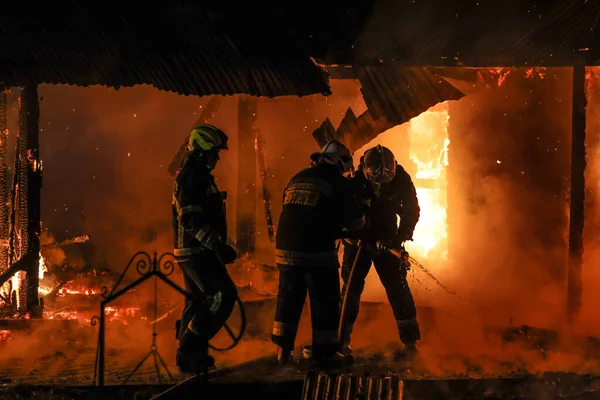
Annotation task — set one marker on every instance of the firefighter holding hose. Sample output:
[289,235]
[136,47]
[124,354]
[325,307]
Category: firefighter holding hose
[200,228]
[385,191]
[319,207]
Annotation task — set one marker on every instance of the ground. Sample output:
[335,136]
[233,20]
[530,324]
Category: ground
[67,357]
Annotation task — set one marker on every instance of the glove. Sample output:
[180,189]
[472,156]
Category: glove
[395,243]
[405,236]
[405,259]
[225,253]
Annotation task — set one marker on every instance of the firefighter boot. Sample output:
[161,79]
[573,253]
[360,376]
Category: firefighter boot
[348,355]
[331,361]
[284,357]
[192,355]
[409,353]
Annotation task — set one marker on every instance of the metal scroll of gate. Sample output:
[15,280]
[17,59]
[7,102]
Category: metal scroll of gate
[160,268]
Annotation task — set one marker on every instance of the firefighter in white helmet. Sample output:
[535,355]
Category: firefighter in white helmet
[385,191]
[318,209]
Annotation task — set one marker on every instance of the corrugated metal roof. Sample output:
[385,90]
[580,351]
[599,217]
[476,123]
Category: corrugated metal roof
[89,45]
[399,94]
[480,33]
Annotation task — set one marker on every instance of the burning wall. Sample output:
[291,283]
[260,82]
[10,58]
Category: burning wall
[590,319]
[492,174]
[509,181]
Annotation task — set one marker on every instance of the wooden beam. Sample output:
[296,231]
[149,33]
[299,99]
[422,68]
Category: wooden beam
[246,173]
[264,180]
[4,201]
[576,221]
[29,120]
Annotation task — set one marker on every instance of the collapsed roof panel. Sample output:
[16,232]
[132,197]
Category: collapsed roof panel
[400,94]
[393,96]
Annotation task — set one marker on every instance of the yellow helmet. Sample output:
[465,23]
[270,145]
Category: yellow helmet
[207,137]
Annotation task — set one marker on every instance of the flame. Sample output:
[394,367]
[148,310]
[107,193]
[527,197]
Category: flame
[429,152]
[5,336]
[43,268]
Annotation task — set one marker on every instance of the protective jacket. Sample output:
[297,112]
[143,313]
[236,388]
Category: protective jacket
[398,197]
[319,207]
[199,217]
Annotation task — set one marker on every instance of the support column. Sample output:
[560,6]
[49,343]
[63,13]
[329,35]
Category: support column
[576,221]
[30,195]
[264,179]
[4,202]
[246,195]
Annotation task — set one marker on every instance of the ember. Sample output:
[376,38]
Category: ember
[5,336]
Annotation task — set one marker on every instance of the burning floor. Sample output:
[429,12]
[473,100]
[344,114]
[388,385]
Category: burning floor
[66,354]
[457,347]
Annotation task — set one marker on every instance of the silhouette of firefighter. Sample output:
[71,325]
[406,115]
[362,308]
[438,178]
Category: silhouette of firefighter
[385,191]
[319,207]
[200,227]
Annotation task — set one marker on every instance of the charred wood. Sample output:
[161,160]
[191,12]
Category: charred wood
[4,201]
[68,242]
[12,243]
[29,119]
[266,195]
[324,133]
[20,265]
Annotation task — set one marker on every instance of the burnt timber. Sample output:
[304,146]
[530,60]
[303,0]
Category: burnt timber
[4,230]
[29,119]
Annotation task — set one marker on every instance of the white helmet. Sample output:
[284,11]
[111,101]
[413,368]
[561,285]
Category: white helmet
[335,153]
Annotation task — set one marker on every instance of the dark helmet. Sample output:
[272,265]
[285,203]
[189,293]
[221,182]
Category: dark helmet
[335,153]
[379,165]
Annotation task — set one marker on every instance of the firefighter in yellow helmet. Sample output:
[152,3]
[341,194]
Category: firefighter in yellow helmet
[200,230]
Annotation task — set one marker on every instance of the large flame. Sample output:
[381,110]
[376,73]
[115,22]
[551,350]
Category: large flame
[429,152]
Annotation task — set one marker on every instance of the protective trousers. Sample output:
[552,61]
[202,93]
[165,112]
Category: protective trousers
[393,278]
[214,295]
[323,286]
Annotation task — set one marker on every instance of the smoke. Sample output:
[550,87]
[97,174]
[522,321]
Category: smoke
[508,183]
[105,156]
[508,186]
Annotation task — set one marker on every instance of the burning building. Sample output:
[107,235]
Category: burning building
[495,152]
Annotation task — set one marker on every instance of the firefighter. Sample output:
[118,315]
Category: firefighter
[318,208]
[385,191]
[200,227]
